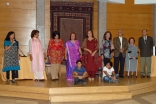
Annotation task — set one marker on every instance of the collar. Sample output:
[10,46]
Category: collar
[145,36]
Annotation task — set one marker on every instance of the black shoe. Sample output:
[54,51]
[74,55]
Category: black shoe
[148,76]
[75,83]
[142,76]
[121,76]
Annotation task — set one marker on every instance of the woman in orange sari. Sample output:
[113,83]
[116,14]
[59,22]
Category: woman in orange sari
[55,53]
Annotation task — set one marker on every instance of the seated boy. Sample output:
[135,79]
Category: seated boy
[79,73]
[109,74]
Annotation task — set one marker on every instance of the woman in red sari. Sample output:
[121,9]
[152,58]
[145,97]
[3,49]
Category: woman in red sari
[55,53]
[90,58]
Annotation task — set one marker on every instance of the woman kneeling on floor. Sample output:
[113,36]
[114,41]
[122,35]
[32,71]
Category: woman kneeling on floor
[109,74]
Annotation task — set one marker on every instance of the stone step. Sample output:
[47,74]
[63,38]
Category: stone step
[84,97]
[96,89]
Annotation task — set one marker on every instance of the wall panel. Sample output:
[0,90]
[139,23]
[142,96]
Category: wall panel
[19,16]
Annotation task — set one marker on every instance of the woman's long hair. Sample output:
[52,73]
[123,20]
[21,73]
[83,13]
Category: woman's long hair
[91,32]
[8,35]
[104,36]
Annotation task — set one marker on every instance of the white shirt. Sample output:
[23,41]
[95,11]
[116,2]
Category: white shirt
[120,38]
[109,71]
[145,37]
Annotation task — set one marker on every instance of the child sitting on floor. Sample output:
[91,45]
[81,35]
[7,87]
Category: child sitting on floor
[109,74]
[79,73]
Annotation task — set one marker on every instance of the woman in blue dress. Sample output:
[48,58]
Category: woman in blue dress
[11,57]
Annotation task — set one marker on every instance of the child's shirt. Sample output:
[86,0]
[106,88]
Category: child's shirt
[109,71]
[80,71]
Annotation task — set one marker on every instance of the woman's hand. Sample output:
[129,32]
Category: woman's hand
[90,51]
[93,54]
[31,58]
[80,55]
[114,78]
[112,53]
[80,77]
[45,56]
[19,57]
[102,57]
[65,57]
[13,42]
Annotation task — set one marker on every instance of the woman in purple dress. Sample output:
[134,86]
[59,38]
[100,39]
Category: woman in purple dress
[72,54]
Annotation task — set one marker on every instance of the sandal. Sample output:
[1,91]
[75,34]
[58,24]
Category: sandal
[13,81]
[8,81]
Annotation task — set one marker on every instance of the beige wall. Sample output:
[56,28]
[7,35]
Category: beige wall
[20,17]
[130,18]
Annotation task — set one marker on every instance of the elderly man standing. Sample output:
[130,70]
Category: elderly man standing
[145,44]
[120,45]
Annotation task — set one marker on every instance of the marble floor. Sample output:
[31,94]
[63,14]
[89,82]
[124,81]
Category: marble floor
[147,98]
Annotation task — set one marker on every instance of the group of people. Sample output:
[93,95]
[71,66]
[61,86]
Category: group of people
[72,52]
[81,61]
[124,50]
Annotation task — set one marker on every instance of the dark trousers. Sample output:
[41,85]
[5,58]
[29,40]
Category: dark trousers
[77,80]
[116,64]
[14,74]
[106,60]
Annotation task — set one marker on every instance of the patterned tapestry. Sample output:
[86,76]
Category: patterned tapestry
[67,17]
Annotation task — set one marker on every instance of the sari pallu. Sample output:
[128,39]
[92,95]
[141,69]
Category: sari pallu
[72,56]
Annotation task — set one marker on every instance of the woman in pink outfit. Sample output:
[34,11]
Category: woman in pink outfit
[36,52]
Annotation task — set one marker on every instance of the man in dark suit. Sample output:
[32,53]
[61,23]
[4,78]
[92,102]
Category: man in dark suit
[145,44]
[120,45]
